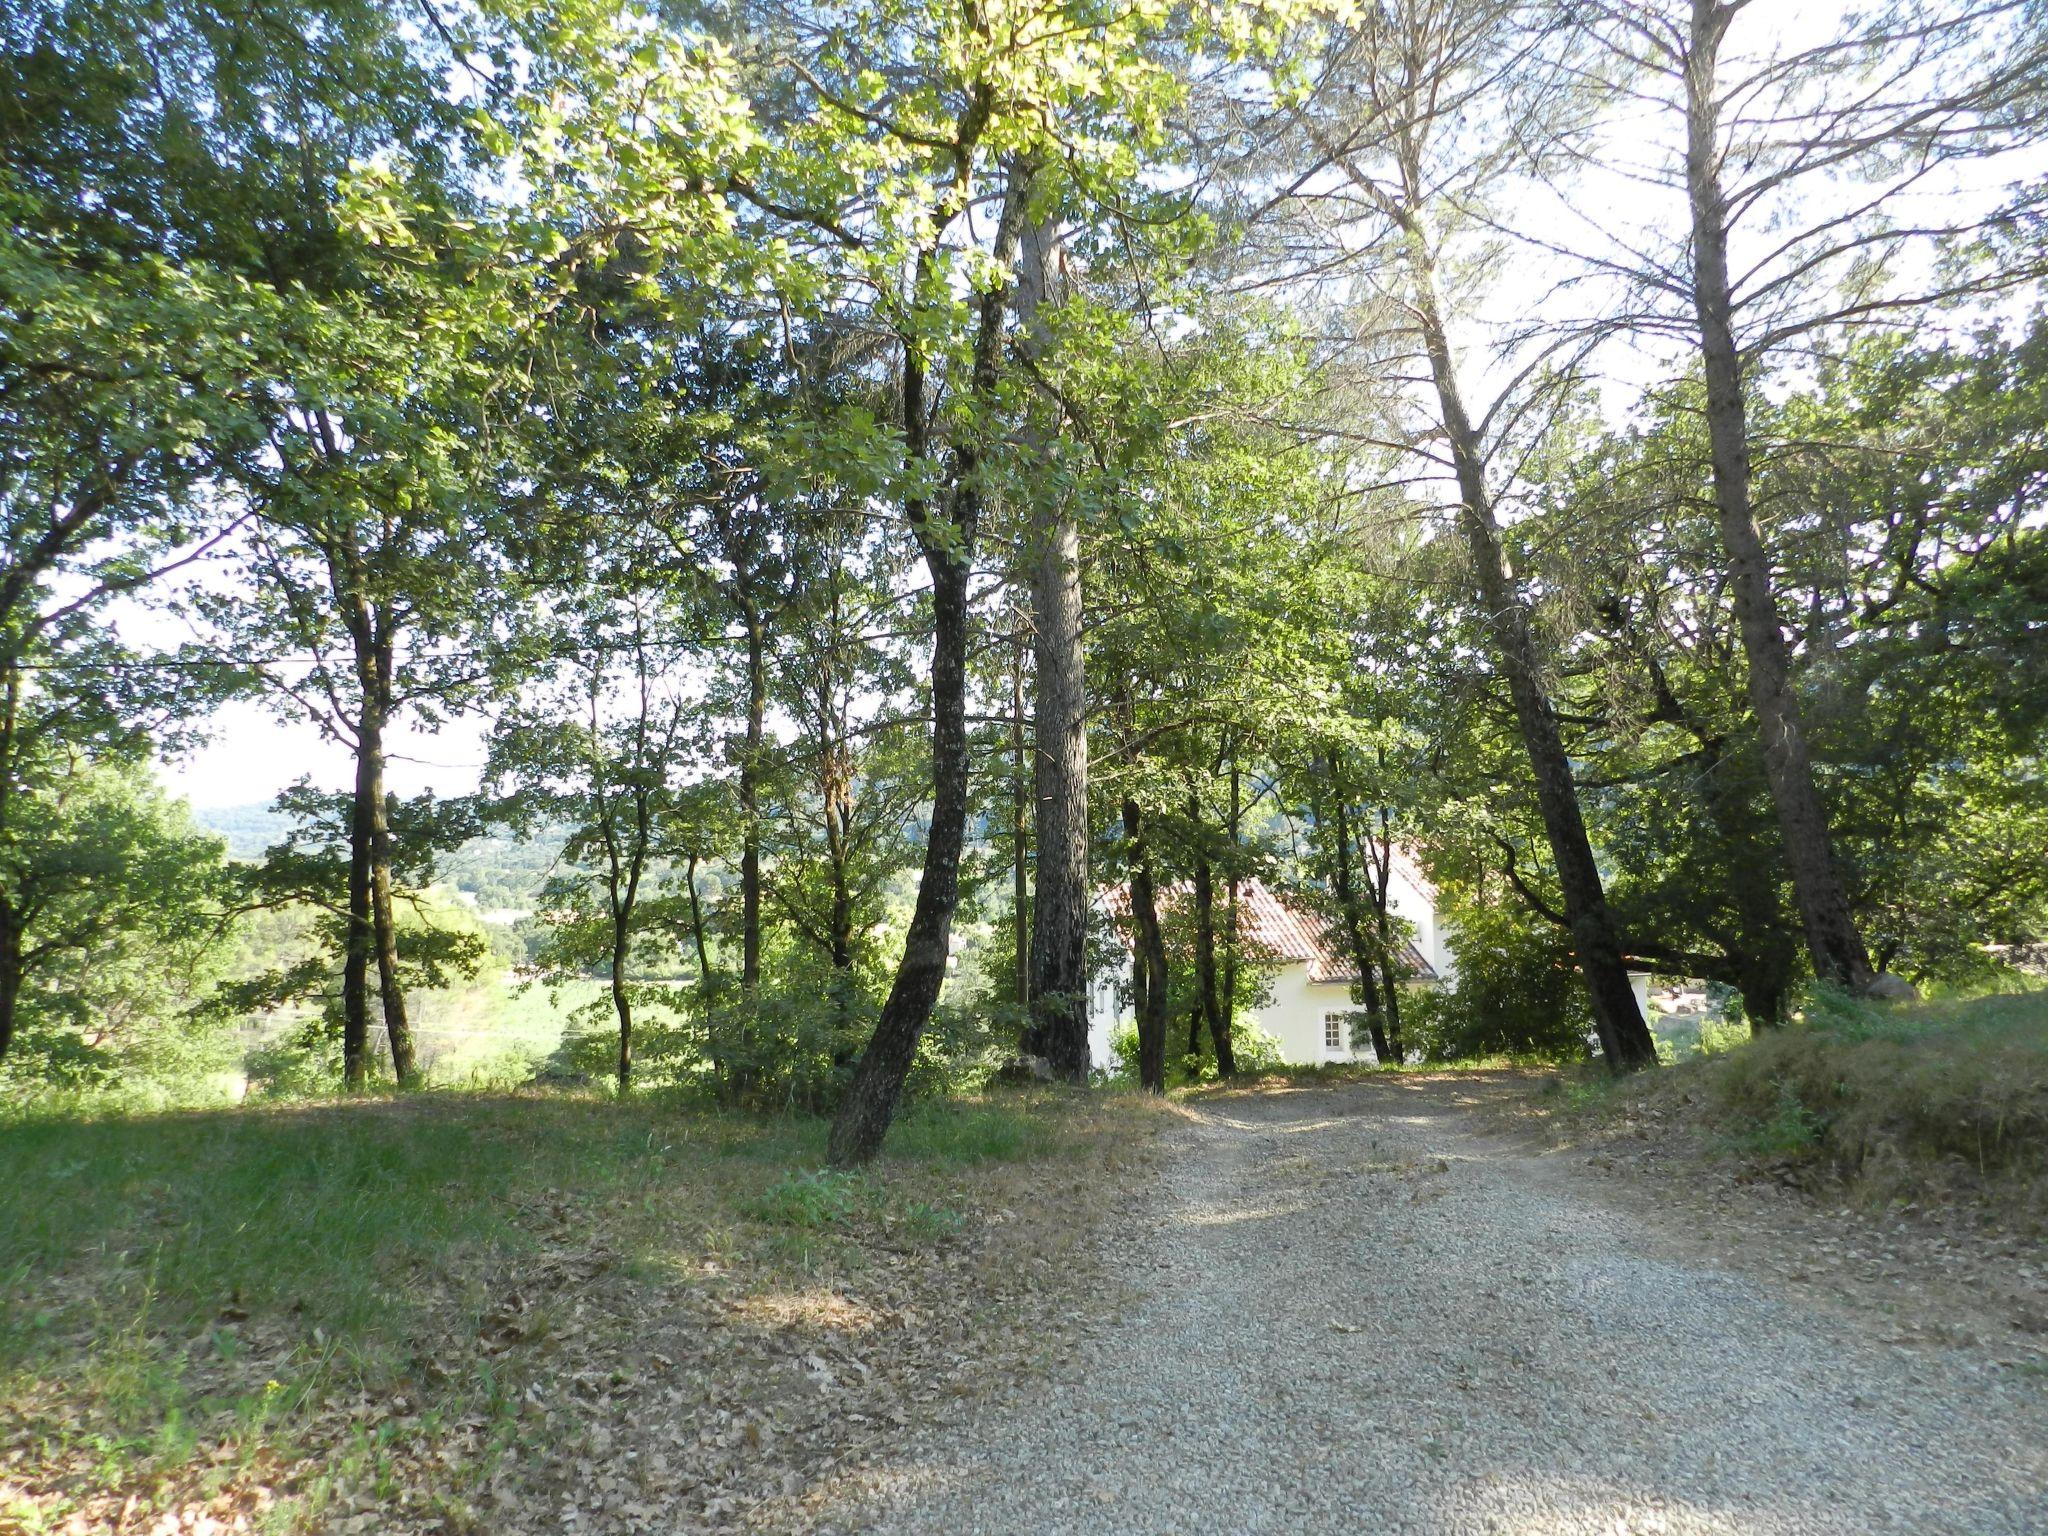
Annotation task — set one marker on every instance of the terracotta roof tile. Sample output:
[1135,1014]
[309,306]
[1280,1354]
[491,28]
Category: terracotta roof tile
[1281,927]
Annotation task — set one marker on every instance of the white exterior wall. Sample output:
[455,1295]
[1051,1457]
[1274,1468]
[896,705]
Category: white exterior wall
[1293,1015]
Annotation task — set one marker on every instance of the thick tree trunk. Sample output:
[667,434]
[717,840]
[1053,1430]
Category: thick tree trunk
[1625,1038]
[947,543]
[1837,948]
[1059,912]
[1148,953]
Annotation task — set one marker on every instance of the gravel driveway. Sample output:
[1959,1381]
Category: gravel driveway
[1357,1314]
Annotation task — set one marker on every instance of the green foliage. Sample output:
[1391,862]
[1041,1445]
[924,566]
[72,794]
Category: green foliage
[808,1200]
[121,904]
[1516,993]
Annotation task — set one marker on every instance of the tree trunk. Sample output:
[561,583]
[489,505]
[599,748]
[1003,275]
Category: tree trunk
[1059,912]
[1837,948]
[1020,823]
[750,806]
[947,543]
[870,1103]
[697,927]
[360,942]
[1366,989]
[622,1005]
[373,807]
[1230,927]
[1148,953]
[12,970]
[1209,1005]
[1381,864]
[1625,1038]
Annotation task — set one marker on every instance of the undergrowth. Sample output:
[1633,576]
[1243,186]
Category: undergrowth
[1904,1100]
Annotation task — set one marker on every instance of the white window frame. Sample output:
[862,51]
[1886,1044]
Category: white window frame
[1341,1051]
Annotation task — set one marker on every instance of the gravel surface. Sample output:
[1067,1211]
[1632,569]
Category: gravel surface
[1356,1313]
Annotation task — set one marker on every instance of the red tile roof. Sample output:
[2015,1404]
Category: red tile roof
[1280,926]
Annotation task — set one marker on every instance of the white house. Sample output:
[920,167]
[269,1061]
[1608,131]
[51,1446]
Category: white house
[1308,1006]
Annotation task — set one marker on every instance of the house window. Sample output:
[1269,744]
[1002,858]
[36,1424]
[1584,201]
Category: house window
[1334,1043]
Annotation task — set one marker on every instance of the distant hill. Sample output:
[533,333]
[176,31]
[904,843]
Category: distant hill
[499,870]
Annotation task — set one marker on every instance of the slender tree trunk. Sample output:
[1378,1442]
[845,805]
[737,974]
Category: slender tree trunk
[1230,928]
[1390,964]
[1837,947]
[946,539]
[384,932]
[13,966]
[373,804]
[1367,988]
[697,927]
[622,1004]
[1149,952]
[1020,822]
[870,1103]
[1625,1038]
[1059,914]
[12,970]
[359,945]
[1208,1004]
[750,805]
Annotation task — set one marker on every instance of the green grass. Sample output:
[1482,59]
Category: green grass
[1963,1081]
[1906,1100]
[183,1284]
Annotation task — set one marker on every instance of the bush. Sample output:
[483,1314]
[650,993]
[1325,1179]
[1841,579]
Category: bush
[1256,1052]
[1859,1085]
[1517,993]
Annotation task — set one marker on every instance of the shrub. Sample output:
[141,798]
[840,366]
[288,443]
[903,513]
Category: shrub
[1858,1084]
[1517,993]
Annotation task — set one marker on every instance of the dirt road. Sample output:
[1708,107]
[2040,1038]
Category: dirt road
[1358,1313]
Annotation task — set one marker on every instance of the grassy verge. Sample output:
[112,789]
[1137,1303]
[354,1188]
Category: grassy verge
[281,1314]
[1904,1102]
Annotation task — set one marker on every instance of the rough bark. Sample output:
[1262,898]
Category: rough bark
[1059,910]
[1625,1038]
[1148,953]
[1832,938]
[945,533]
